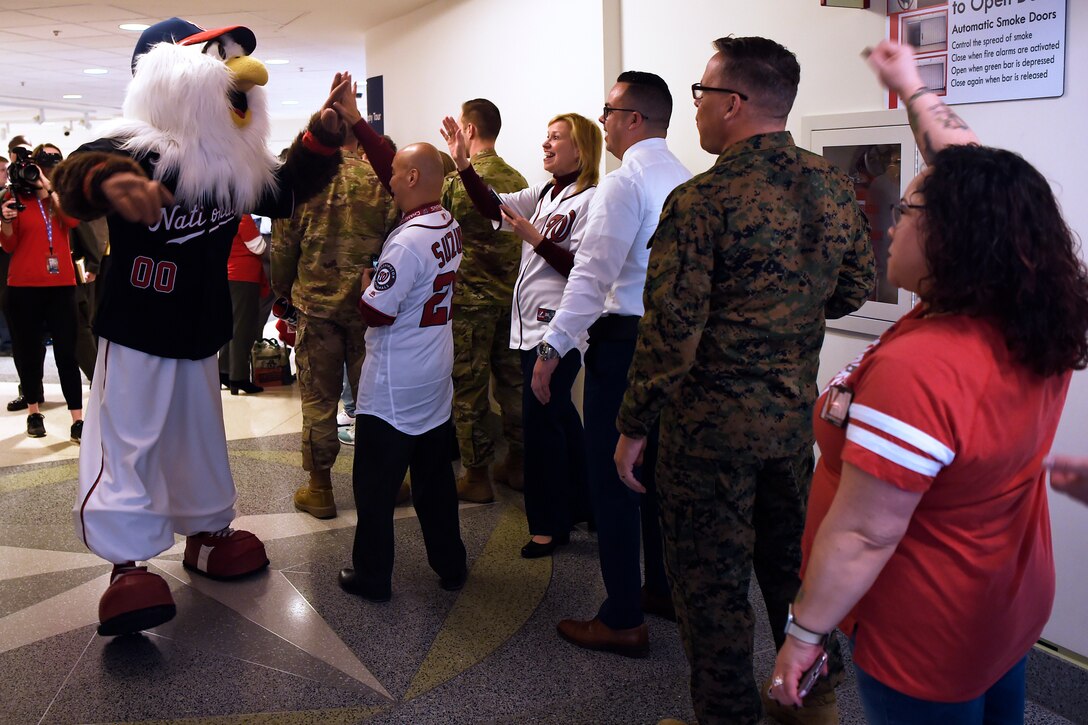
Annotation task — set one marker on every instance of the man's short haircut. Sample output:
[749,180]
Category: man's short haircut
[763,69]
[484,115]
[389,140]
[647,93]
[4,160]
[17,141]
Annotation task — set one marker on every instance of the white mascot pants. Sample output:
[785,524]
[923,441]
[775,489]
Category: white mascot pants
[154,455]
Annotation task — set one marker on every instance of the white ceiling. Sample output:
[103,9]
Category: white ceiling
[46,44]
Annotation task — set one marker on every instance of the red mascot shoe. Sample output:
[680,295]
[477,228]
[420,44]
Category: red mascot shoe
[225,554]
[135,600]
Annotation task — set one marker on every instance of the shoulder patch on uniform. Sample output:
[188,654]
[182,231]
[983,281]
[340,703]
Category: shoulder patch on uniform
[385,277]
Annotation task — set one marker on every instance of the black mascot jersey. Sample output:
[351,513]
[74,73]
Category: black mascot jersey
[166,293]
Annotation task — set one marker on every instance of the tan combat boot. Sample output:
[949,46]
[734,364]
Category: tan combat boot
[316,497]
[474,485]
[509,472]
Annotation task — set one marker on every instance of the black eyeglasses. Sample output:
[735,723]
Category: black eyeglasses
[609,109]
[900,208]
[698,89]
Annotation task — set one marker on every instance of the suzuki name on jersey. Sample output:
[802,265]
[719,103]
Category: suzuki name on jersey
[447,247]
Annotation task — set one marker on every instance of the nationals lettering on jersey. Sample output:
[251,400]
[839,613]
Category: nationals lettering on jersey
[407,372]
[167,293]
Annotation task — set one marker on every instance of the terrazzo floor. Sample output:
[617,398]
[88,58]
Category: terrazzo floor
[288,646]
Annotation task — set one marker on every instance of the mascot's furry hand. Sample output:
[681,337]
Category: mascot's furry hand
[136,198]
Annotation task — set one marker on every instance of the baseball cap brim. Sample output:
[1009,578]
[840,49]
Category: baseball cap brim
[240,33]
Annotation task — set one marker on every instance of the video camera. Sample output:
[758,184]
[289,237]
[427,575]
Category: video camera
[23,175]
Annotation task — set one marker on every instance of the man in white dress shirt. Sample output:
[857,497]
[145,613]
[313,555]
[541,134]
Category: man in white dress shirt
[604,296]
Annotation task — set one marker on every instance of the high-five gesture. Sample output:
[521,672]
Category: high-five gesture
[343,99]
[455,140]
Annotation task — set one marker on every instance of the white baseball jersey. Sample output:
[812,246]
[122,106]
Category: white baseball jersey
[539,287]
[407,373]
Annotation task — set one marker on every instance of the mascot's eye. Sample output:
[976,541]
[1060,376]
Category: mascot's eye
[215,47]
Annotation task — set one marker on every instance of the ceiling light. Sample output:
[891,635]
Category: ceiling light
[95,71]
[277,61]
[290,103]
[71,96]
[137,27]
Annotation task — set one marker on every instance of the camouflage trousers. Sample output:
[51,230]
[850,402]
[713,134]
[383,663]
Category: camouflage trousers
[720,518]
[322,349]
[481,349]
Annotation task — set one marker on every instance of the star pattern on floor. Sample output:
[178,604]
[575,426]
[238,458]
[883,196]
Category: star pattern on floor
[270,605]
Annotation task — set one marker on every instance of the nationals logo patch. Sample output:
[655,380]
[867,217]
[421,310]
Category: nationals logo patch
[385,277]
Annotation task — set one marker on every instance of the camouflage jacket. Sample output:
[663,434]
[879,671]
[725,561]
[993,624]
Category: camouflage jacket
[318,255]
[491,258]
[749,259]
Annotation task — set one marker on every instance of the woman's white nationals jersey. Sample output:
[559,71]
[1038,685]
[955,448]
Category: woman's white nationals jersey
[539,288]
[406,379]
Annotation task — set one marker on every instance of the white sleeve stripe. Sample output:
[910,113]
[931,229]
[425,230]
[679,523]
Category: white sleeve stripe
[892,452]
[903,431]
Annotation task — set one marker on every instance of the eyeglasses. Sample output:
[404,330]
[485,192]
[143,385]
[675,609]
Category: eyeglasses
[698,89]
[609,109]
[900,208]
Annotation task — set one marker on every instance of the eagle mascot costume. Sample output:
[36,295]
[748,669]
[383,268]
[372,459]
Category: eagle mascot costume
[173,178]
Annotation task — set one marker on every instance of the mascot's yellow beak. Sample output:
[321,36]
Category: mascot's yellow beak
[248,72]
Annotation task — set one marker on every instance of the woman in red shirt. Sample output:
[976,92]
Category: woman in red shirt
[42,296]
[245,275]
[927,539]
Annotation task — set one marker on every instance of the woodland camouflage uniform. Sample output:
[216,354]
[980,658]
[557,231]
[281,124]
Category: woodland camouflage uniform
[749,259]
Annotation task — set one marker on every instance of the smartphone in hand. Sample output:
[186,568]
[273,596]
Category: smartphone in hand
[495,196]
[808,679]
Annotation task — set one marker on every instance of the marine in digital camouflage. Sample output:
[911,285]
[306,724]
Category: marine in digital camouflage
[481,317]
[318,258]
[491,258]
[749,260]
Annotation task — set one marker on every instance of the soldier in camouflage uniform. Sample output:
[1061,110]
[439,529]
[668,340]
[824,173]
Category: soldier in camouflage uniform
[318,258]
[481,318]
[748,260]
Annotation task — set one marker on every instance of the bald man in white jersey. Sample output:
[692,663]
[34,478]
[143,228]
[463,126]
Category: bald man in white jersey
[403,414]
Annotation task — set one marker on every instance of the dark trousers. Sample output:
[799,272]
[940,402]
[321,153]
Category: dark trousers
[86,342]
[245,299]
[33,312]
[619,511]
[382,455]
[721,518]
[555,453]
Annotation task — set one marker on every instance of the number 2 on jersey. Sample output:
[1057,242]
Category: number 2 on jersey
[438,310]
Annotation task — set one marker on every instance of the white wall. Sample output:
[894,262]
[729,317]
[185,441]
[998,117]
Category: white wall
[533,61]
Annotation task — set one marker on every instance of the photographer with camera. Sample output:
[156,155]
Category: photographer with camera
[41,284]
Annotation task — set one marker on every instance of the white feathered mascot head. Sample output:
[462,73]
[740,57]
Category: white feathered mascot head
[196,102]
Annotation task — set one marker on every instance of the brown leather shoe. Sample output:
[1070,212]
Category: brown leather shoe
[659,605]
[474,485]
[595,634]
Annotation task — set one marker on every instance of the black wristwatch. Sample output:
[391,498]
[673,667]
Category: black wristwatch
[795,630]
[544,351]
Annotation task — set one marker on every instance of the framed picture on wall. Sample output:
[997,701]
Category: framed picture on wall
[878,153]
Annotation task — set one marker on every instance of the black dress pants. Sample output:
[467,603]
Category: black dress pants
[621,514]
[555,451]
[33,312]
[382,456]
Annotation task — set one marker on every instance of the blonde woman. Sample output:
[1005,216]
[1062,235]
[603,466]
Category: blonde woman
[550,217]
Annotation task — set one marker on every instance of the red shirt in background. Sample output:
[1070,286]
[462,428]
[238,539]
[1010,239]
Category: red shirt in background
[28,246]
[941,408]
[243,265]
